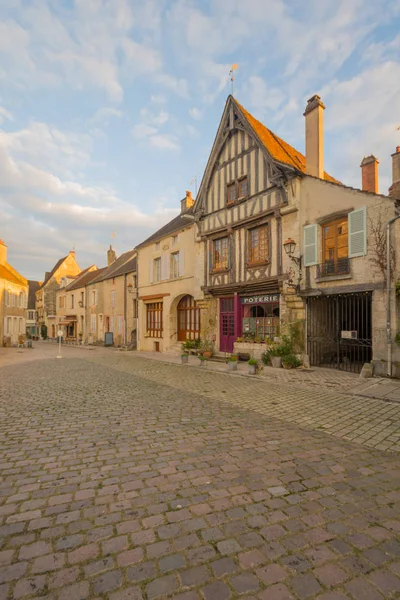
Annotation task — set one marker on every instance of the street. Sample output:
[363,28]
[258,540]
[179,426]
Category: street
[128,478]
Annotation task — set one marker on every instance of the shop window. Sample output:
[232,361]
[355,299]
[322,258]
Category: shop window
[220,260]
[258,245]
[261,321]
[154,319]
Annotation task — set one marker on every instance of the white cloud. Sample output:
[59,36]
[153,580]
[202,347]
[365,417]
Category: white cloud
[164,142]
[142,130]
[5,114]
[102,115]
[154,118]
[195,113]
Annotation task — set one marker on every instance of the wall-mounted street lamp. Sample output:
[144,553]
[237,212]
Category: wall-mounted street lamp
[290,247]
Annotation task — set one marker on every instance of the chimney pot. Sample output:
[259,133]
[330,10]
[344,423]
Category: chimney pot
[314,115]
[369,174]
[187,202]
[111,256]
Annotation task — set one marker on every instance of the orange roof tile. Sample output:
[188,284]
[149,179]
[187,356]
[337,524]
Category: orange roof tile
[8,273]
[278,148]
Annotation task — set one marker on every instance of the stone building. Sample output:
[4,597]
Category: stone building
[111,301]
[71,304]
[46,294]
[32,329]
[13,301]
[170,265]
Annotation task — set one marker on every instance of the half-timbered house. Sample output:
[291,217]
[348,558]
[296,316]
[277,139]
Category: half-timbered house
[239,215]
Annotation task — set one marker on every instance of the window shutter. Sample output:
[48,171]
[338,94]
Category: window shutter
[181,261]
[358,232]
[151,271]
[165,266]
[310,245]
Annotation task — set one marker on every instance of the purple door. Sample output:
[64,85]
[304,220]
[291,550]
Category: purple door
[227,325]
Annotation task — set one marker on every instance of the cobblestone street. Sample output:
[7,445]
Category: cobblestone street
[125,478]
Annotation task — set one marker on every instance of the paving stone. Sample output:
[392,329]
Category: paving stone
[161,587]
[130,557]
[224,566]
[171,563]
[29,586]
[142,572]
[228,547]
[385,581]
[215,590]
[331,575]
[271,574]
[50,562]
[78,591]
[361,589]
[305,586]
[130,593]
[107,582]
[194,576]
[245,583]
[279,591]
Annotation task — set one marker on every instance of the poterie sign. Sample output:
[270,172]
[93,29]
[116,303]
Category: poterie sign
[260,299]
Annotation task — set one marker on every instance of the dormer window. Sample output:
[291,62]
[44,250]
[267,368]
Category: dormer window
[237,190]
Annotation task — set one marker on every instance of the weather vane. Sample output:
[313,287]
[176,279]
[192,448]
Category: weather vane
[194,180]
[231,73]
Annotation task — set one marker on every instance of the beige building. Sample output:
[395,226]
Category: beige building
[339,289]
[46,294]
[170,267]
[13,301]
[286,243]
[111,302]
[71,302]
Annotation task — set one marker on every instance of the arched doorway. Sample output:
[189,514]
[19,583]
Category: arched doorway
[188,319]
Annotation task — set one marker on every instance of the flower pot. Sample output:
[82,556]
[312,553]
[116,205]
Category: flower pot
[203,363]
[184,360]
[276,362]
[232,366]
[252,369]
[207,354]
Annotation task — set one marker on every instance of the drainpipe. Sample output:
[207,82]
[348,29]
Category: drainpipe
[125,310]
[388,292]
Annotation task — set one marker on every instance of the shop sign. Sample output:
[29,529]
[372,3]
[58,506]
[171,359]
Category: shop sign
[260,299]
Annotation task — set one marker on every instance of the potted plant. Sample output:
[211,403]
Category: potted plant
[397,339]
[207,348]
[290,361]
[232,362]
[184,358]
[203,360]
[253,363]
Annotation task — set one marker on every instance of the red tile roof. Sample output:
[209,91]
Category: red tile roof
[278,148]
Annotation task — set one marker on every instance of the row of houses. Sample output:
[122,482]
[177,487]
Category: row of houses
[272,242]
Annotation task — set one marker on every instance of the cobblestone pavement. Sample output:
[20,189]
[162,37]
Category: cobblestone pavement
[126,479]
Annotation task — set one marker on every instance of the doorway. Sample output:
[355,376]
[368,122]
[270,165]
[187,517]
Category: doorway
[227,325]
[188,319]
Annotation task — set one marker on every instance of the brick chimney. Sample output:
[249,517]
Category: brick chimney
[314,115]
[187,202]
[394,189]
[111,256]
[3,253]
[369,174]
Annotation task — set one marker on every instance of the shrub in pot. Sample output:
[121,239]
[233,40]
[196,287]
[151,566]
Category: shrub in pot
[184,358]
[232,362]
[203,360]
[253,363]
[206,348]
[290,361]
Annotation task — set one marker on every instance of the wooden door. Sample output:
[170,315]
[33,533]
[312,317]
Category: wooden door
[227,325]
[188,316]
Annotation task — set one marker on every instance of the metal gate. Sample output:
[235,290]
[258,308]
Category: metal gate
[339,331]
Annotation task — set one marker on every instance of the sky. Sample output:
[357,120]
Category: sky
[109,108]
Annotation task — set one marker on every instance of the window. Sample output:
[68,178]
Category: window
[232,193]
[82,298]
[93,299]
[157,246]
[334,248]
[113,295]
[93,323]
[175,240]
[72,301]
[154,319]
[157,269]
[221,254]
[12,299]
[20,325]
[258,245]
[8,297]
[9,325]
[61,302]
[31,315]
[243,188]
[174,265]
[112,324]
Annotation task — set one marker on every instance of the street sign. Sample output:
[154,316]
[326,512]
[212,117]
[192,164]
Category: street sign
[60,333]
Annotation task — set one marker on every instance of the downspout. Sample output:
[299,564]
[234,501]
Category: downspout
[388,293]
[136,300]
[125,312]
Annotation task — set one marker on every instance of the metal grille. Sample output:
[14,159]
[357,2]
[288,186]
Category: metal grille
[333,267]
[339,331]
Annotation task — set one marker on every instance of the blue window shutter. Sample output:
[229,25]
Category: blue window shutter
[358,232]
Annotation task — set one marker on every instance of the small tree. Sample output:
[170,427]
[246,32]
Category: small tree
[379,258]
[43,331]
